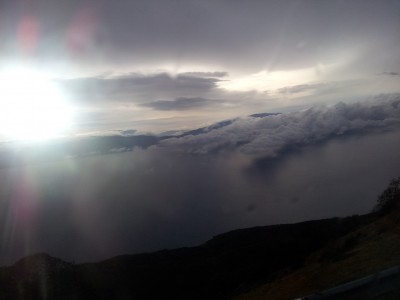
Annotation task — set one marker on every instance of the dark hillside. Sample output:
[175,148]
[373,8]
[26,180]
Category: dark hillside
[225,266]
[367,250]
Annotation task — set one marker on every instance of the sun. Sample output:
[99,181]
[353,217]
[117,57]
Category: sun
[32,107]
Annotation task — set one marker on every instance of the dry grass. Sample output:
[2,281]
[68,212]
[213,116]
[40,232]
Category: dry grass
[368,249]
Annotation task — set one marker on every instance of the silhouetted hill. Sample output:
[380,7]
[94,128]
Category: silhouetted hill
[225,266]
[38,276]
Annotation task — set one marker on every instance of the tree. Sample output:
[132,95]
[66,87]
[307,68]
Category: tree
[390,198]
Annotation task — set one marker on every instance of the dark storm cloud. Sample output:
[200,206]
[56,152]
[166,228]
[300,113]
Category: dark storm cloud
[248,35]
[137,88]
[273,135]
[234,35]
[179,104]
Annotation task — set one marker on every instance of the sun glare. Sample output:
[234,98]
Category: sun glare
[270,81]
[32,107]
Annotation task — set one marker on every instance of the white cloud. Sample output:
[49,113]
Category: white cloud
[273,135]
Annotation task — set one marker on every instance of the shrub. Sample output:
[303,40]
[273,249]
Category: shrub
[390,198]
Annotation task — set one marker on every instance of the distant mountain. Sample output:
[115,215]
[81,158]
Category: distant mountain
[264,115]
[203,130]
[38,277]
[215,126]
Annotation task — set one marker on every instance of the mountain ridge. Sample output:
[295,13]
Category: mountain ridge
[227,265]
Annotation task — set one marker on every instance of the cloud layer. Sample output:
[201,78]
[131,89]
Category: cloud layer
[96,207]
[188,36]
[179,103]
[140,88]
[273,135]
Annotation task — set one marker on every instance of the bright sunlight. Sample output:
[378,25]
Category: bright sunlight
[32,107]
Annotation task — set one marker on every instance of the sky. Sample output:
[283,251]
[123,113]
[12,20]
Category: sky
[327,71]
[156,66]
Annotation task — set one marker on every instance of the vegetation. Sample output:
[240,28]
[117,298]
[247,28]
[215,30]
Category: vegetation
[390,198]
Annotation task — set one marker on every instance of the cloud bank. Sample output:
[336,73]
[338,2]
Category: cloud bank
[273,135]
[179,103]
[141,88]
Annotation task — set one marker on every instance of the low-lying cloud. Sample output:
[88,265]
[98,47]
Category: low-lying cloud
[273,135]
